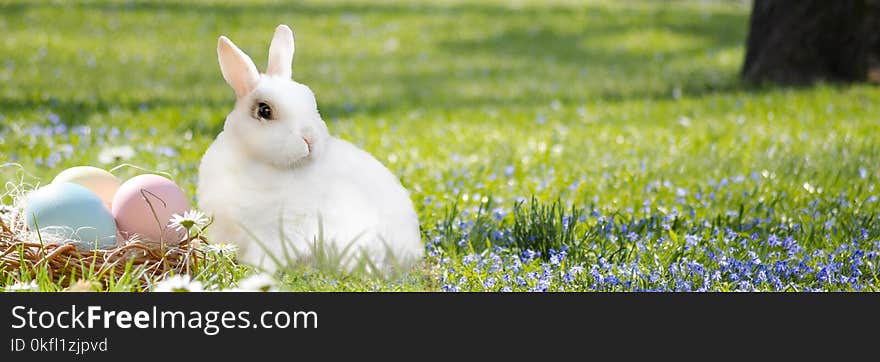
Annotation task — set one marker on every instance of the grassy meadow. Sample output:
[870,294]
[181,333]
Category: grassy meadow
[548,145]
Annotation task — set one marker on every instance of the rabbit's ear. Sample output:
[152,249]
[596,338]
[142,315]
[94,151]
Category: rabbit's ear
[238,69]
[281,53]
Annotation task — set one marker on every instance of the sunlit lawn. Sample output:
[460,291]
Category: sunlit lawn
[629,113]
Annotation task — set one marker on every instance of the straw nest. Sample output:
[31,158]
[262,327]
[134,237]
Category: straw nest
[23,251]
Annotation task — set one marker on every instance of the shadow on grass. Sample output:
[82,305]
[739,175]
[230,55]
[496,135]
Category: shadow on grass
[539,56]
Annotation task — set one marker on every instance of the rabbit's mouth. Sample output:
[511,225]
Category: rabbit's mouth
[297,158]
[308,144]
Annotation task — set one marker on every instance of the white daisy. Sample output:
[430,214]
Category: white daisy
[178,283]
[257,283]
[189,219]
[23,287]
[220,248]
[115,154]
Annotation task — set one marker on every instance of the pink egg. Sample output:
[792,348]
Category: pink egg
[143,205]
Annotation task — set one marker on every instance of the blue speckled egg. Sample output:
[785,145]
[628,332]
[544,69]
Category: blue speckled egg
[73,213]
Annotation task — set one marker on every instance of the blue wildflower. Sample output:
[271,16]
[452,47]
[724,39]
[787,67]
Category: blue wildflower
[489,283]
[508,171]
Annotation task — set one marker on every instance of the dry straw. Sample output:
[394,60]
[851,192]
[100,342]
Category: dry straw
[66,263]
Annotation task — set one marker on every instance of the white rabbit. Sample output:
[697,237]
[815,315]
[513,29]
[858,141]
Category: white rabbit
[274,174]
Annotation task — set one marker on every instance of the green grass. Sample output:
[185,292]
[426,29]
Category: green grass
[623,110]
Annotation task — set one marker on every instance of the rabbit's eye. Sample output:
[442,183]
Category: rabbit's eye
[264,111]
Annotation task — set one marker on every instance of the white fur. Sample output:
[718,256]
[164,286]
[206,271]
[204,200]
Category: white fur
[263,179]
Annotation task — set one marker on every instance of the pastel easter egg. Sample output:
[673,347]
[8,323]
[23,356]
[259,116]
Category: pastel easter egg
[143,206]
[68,212]
[101,182]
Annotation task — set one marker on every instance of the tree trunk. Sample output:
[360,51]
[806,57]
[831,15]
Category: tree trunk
[803,41]
[872,27]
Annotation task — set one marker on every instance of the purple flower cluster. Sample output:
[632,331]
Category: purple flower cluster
[54,140]
[664,248]
[850,267]
[500,270]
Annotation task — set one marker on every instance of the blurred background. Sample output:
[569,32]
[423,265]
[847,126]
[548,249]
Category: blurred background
[106,82]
